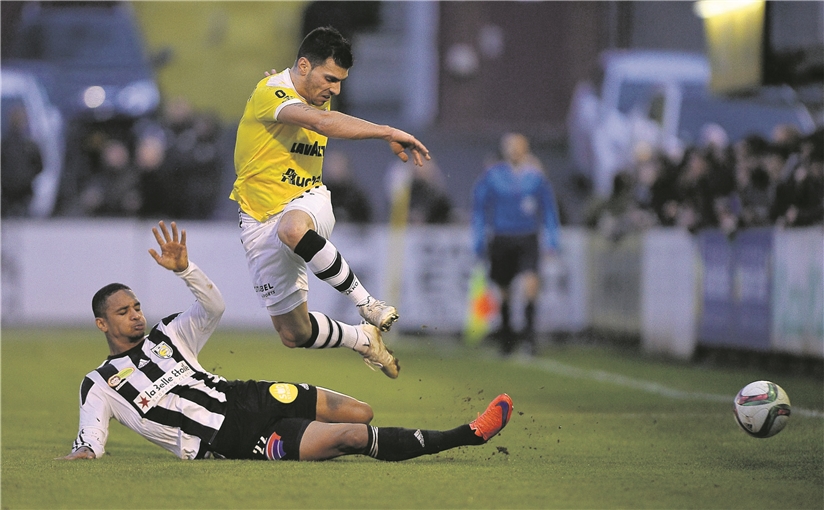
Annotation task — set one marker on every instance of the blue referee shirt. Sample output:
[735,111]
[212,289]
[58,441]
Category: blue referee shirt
[509,202]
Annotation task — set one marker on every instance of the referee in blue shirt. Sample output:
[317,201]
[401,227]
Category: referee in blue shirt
[514,216]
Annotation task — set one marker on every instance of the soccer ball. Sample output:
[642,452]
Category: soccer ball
[762,409]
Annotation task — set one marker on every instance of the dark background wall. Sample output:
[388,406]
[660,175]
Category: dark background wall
[546,48]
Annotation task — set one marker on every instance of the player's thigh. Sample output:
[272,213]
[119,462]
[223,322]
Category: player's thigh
[278,274]
[334,407]
[322,441]
[317,203]
[265,419]
[293,225]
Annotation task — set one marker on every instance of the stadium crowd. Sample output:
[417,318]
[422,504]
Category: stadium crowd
[168,166]
[754,182]
[174,167]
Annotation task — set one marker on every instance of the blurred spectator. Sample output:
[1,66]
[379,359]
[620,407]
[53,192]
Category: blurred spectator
[752,195]
[429,201]
[621,212]
[649,189]
[695,193]
[514,213]
[21,162]
[112,189]
[150,156]
[169,167]
[664,191]
[714,144]
[423,188]
[753,183]
[727,211]
[201,180]
[786,137]
[183,181]
[349,202]
[800,197]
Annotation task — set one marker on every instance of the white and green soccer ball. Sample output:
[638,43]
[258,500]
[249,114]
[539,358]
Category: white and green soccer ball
[762,409]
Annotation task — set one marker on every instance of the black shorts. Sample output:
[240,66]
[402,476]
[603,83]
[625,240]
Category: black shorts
[265,420]
[512,255]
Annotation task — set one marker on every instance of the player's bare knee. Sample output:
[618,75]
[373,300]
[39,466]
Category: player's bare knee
[335,407]
[290,233]
[362,413]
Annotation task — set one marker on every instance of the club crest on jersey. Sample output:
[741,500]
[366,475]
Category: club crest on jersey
[120,377]
[162,350]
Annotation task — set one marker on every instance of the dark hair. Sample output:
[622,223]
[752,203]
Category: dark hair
[324,42]
[100,297]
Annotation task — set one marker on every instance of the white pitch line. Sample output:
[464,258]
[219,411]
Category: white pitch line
[555,367]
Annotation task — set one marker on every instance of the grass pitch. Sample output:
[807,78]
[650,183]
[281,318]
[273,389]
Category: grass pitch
[592,428]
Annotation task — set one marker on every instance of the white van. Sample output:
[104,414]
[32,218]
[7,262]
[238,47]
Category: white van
[599,125]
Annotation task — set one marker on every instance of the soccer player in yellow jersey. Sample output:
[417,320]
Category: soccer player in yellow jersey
[286,215]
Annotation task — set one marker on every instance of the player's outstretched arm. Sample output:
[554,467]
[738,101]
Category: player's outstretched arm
[173,253]
[195,324]
[340,125]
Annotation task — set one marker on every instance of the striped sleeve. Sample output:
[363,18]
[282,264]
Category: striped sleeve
[95,414]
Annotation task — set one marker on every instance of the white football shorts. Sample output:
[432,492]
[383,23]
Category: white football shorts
[278,274]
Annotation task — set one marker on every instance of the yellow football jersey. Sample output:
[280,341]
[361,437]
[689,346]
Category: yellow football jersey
[274,162]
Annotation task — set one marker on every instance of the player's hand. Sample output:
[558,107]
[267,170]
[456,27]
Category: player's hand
[270,73]
[81,453]
[173,254]
[400,141]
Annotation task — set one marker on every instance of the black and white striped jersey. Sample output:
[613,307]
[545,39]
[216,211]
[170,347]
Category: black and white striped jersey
[158,388]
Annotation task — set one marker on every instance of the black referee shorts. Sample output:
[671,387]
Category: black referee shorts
[512,255]
[265,420]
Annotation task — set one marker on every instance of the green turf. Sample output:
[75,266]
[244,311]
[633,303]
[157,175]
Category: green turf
[583,434]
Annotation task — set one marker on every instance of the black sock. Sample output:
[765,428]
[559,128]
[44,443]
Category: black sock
[396,443]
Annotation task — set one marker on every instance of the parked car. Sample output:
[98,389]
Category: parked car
[598,122]
[22,90]
[90,56]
